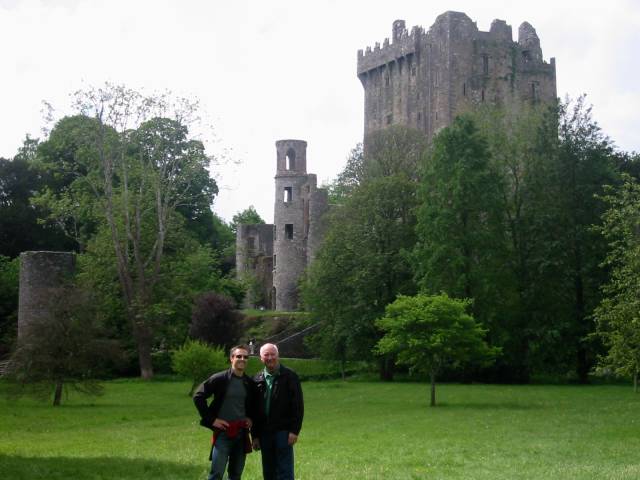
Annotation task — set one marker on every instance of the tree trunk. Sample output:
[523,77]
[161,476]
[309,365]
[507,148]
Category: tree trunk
[143,342]
[635,381]
[57,397]
[432,403]
[386,369]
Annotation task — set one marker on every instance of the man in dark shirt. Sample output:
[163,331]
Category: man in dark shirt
[230,414]
[281,413]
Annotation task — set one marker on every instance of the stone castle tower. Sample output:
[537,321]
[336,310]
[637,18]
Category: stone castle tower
[418,79]
[275,256]
[424,79]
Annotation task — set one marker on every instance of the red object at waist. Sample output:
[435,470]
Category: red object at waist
[232,431]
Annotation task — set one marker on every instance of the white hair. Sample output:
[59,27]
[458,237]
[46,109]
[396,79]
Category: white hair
[275,347]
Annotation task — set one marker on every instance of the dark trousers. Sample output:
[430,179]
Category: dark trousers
[277,456]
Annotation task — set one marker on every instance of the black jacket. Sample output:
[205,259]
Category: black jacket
[287,405]
[216,386]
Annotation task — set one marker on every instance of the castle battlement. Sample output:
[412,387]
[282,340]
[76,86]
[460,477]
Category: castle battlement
[423,79]
[403,44]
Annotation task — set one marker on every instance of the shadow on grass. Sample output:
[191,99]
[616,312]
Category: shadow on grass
[103,468]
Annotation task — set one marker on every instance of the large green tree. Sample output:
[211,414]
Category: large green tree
[131,168]
[618,314]
[364,262]
[461,246]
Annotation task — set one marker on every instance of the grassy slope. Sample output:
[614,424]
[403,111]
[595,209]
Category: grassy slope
[352,431]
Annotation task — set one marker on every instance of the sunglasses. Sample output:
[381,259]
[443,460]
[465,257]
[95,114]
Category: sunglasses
[242,357]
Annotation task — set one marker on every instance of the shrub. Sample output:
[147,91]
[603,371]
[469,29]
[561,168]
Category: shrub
[215,321]
[196,361]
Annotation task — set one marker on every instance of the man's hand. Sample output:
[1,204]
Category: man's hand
[248,423]
[293,438]
[220,424]
[256,444]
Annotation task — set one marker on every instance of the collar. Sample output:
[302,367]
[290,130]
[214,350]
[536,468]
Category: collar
[275,373]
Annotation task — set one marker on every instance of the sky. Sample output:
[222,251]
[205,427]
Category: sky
[280,69]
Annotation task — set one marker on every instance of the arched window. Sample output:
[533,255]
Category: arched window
[291,159]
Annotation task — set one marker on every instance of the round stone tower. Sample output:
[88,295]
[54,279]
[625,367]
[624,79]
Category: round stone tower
[291,222]
[44,276]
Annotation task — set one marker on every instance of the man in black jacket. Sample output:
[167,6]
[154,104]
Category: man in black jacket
[281,413]
[230,414]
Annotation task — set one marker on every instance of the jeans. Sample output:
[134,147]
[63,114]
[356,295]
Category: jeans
[277,456]
[227,450]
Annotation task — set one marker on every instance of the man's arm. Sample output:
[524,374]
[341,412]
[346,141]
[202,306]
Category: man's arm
[203,392]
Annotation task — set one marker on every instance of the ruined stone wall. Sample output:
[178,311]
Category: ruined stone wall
[254,263]
[424,79]
[43,279]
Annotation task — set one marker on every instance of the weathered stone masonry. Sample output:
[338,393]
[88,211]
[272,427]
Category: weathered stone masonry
[290,244]
[420,79]
[424,79]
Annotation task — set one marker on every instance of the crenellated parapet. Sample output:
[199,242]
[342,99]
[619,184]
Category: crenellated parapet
[423,79]
[403,44]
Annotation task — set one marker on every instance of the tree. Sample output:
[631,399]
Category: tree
[461,247]
[428,332]
[248,216]
[140,168]
[617,316]
[215,320]
[20,226]
[67,349]
[364,263]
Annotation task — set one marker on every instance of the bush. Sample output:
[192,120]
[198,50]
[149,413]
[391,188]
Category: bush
[215,321]
[196,361]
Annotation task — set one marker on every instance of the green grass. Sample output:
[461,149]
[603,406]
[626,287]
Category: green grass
[352,430]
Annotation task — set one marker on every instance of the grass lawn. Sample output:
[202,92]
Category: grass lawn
[352,430]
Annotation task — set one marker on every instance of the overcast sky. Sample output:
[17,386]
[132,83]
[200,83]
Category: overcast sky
[270,70]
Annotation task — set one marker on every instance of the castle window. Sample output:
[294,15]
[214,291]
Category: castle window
[534,93]
[291,159]
[274,261]
[485,64]
[386,79]
[389,119]
[288,194]
[413,71]
[251,243]
[482,94]
[419,117]
[464,89]
[288,231]
[526,55]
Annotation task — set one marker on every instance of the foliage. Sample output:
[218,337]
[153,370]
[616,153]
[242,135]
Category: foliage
[248,216]
[361,266]
[618,321]
[131,170]
[349,178]
[67,349]
[215,320]
[197,361]
[20,228]
[9,275]
[428,332]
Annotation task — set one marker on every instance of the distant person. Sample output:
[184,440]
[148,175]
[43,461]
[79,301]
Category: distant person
[281,413]
[230,414]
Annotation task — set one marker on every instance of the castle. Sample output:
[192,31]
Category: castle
[273,257]
[418,79]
